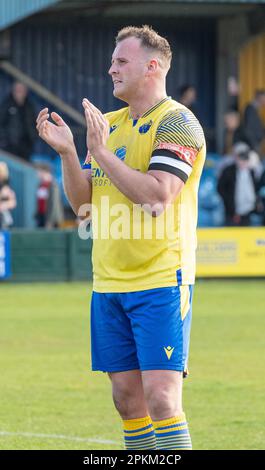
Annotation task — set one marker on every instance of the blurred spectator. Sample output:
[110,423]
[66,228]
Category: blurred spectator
[233,131]
[49,205]
[55,215]
[233,91]
[17,122]
[253,127]
[187,97]
[43,190]
[237,185]
[261,193]
[7,198]
[255,164]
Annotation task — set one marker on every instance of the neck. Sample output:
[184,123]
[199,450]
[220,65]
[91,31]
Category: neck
[140,105]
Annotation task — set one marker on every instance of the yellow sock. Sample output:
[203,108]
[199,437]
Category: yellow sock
[172,433]
[139,434]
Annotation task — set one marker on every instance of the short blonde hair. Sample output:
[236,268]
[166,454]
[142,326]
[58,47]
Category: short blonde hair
[150,39]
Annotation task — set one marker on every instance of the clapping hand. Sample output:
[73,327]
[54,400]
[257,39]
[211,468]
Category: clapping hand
[58,135]
[97,128]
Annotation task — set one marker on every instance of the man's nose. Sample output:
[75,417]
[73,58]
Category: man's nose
[112,69]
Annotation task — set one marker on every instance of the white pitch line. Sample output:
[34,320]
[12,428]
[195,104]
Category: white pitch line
[59,436]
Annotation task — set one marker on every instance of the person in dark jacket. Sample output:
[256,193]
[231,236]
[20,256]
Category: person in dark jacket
[253,127]
[261,193]
[17,122]
[237,185]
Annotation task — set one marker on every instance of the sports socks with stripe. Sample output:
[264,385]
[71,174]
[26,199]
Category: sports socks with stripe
[167,434]
[172,433]
[139,434]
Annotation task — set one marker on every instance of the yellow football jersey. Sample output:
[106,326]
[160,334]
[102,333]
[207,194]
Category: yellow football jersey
[132,250]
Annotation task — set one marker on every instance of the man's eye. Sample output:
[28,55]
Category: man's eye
[119,61]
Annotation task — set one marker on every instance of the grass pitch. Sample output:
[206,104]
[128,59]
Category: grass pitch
[49,399]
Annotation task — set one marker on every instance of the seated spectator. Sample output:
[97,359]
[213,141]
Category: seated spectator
[7,198]
[17,122]
[237,185]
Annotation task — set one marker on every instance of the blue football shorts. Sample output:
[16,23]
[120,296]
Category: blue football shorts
[145,330]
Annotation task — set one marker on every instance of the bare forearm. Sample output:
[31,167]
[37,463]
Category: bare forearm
[77,187]
[140,188]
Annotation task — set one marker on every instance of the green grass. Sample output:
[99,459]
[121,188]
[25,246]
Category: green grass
[46,386]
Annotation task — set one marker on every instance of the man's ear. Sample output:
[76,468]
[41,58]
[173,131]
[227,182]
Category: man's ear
[152,65]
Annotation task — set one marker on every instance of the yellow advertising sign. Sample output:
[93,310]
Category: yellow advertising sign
[231,251]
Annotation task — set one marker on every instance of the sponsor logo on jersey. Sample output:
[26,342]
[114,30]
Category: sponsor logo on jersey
[186,154]
[145,127]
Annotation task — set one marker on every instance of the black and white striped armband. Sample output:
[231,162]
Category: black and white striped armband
[165,160]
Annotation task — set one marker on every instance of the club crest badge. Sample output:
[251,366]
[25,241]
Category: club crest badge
[145,127]
[121,152]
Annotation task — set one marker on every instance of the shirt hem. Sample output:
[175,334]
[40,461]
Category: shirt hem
[120,288]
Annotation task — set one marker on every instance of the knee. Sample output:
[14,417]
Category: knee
[126,401]
[120,396]
[162,404]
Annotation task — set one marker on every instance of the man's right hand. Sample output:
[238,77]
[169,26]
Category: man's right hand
[58,135]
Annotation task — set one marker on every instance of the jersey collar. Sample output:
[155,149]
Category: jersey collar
[150,110]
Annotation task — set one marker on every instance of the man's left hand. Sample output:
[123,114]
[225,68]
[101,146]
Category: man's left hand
[97,128]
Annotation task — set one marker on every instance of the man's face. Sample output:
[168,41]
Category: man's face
[232,120]
[19,93]
[128,69]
